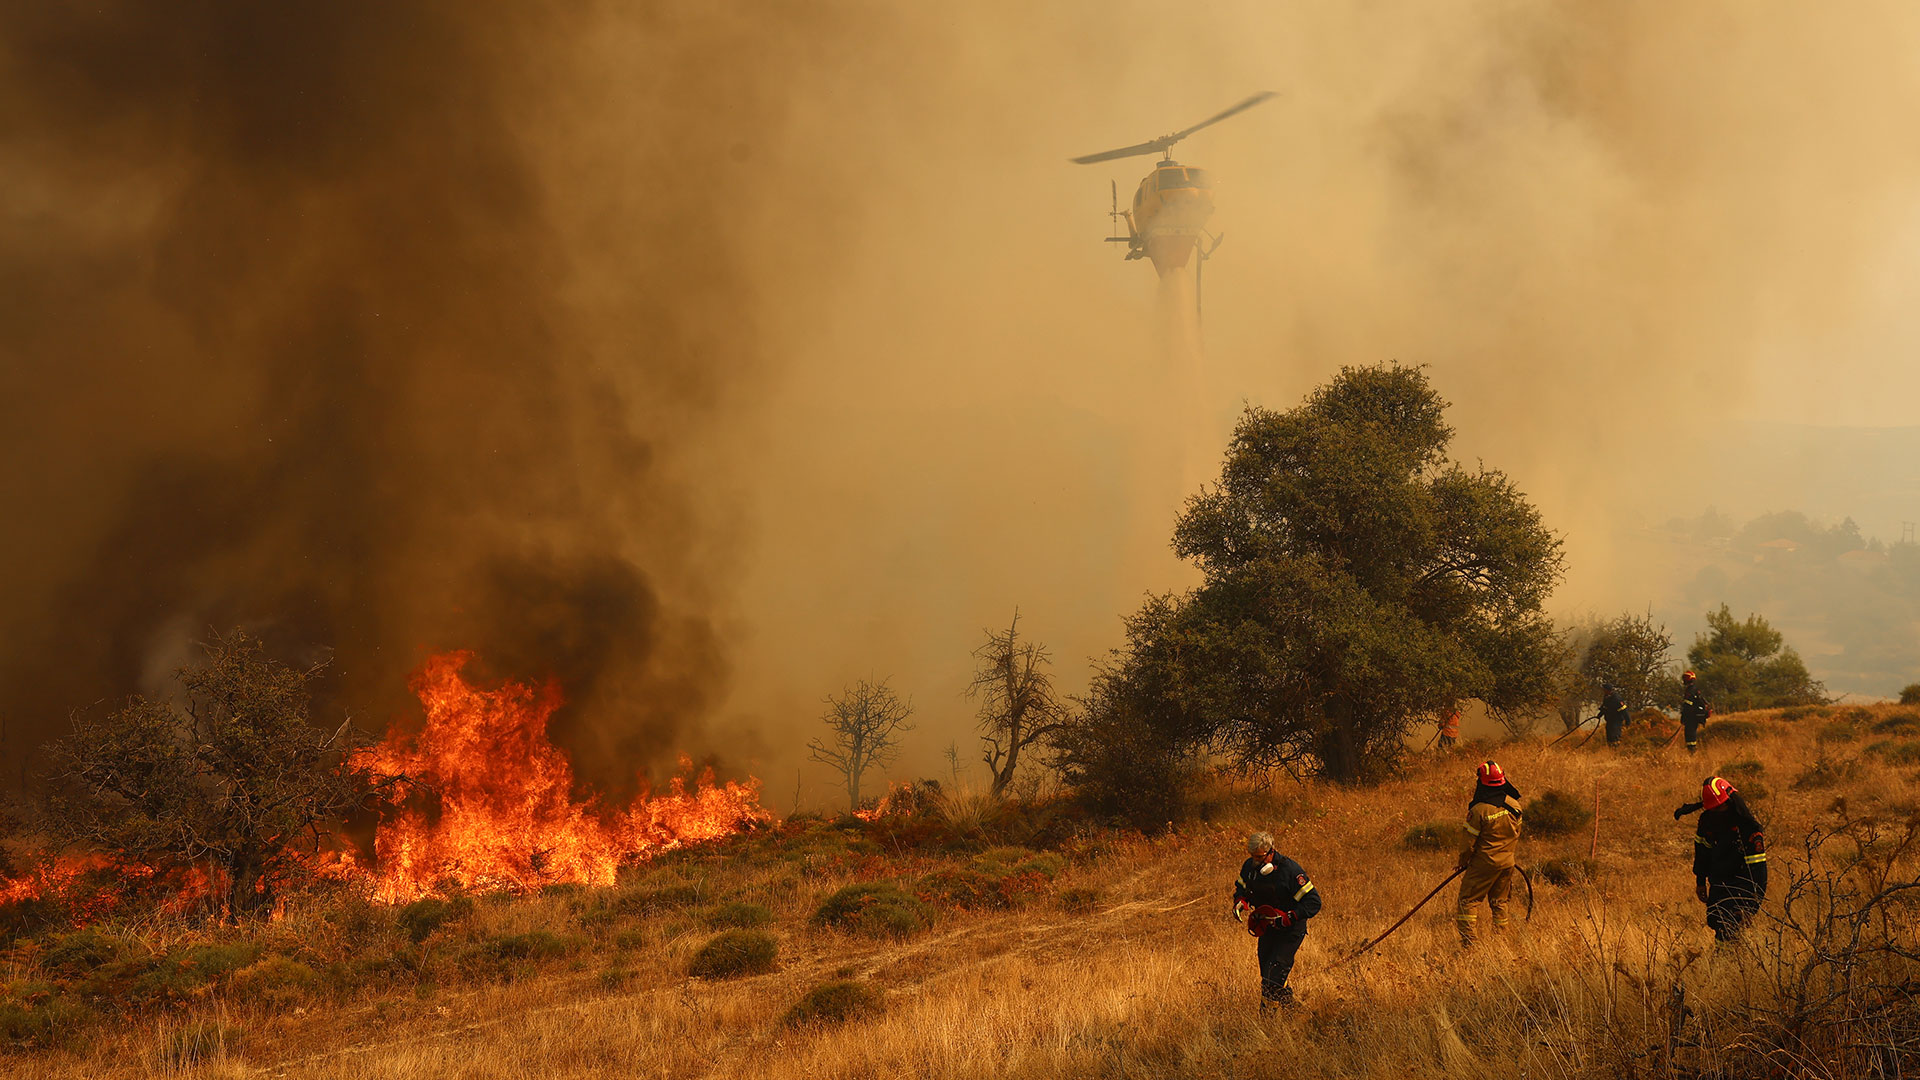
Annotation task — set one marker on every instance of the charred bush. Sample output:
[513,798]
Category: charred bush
[733,953]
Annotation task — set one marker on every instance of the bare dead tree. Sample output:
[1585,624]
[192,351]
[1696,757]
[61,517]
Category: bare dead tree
[864,725]
[1018,707]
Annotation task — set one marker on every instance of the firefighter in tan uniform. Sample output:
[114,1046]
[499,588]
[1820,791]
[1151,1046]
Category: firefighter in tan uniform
[1493,838]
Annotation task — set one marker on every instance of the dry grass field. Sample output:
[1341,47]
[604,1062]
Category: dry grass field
[1114,958]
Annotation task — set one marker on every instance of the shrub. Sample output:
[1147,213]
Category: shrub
[1801,712]
[1433,836]
[963,888]
[1735,730]
[1910,694]
[1567,871]
[1556,813]
[1896,753]
[880,909]
[78,953]
[1898,724]
[533,945]
[1838,731]
[628,940]
[739,913]
[25,918]
[650,901]
[421,918]
[835,1003]
[615,978]
[1827,773]
[277,982]
[733,953]
[1748,768]
[1079,901]
[36,1015]
[1753,790]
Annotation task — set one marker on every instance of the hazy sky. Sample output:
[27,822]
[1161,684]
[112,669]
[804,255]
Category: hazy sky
[711,356]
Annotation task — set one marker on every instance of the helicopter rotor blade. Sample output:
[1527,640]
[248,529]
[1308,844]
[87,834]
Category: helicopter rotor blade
[1217,117]
[1155,146]
[1151,147]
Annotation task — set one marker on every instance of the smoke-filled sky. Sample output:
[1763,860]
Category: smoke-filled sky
[708,356]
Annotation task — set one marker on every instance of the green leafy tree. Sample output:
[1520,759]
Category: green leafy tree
[1910,694]
[1355,582]
[1748,665]
[234,778]
[1633,653]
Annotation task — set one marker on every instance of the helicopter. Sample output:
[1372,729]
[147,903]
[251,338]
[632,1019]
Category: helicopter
[1167,222]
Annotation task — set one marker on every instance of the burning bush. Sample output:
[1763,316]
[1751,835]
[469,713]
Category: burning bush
[835,1003]
[879,909]
[1556,813]
[734,953]
[236,782]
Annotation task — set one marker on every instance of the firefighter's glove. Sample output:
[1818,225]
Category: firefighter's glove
[1465,858]
[1285,918]
[1240,909]
[1700,890]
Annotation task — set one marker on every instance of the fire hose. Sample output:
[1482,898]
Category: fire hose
[1364,949]
[1570,731]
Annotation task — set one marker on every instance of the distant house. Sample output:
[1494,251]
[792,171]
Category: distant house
[1777,549]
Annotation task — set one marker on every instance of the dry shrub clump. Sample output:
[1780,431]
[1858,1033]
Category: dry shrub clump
[1000,878]
[733,953]
[1433,836]
[1556,813]
[877,909]
[1736,730]
[835,1003]
[739,914]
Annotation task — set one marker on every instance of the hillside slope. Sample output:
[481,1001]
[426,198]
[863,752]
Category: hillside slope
[1124,963]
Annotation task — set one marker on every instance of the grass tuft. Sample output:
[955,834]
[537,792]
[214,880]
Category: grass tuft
[740,914]
[1556,813]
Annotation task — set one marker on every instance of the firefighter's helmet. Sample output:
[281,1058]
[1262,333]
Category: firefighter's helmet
[1715,792]
[1491,774]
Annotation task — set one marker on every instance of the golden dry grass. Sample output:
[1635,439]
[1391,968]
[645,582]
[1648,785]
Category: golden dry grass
[1155,982]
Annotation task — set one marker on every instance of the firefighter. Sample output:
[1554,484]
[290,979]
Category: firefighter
[1729,858]
[1275,897]
[1493,840]
[1693,711]
[1614,712]
[1450,730]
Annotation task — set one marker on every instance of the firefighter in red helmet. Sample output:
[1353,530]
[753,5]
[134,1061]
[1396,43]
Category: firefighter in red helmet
[1729,858]
[1493,834]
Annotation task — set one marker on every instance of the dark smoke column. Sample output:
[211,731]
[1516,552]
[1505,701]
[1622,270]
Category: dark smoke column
[290,341]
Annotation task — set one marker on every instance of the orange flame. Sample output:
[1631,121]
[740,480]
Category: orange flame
[507,818]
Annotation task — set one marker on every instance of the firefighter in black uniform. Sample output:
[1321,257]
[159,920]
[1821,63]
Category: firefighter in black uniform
[1729,858]
[1276,899]
[1693,711]
[1614,712]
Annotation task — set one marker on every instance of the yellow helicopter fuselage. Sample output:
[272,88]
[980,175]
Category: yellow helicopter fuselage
[1170,211]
